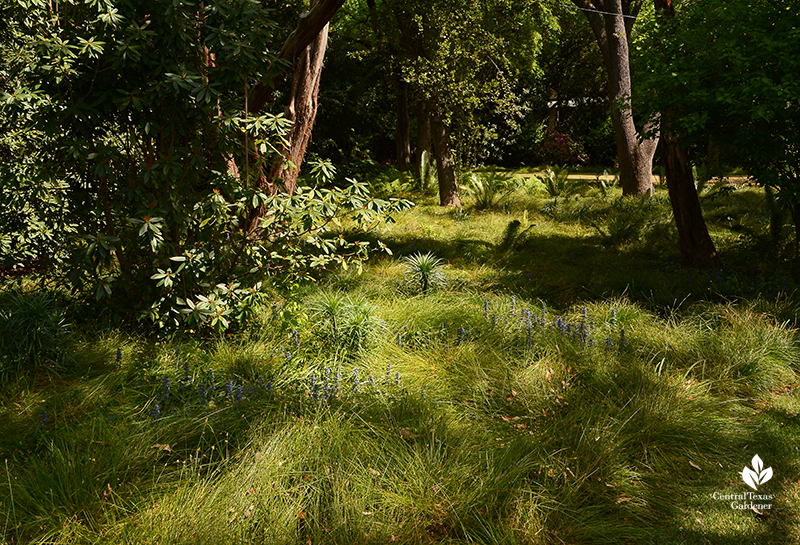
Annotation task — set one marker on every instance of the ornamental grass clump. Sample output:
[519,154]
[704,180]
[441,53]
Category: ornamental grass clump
[343,323]
[33,330]
[424,272]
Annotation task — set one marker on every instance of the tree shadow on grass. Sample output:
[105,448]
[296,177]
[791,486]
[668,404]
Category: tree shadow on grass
[555,268]
[561,269]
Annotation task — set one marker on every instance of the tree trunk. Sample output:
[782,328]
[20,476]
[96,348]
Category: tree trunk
[307,31]
[423,143]
[448,186]
[403,129]
[302,111]
[611,29]
[697,248]
[795,209]
[305,46]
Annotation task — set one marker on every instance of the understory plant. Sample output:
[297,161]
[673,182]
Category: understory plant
[489,188]
[556,182]
[343,323]
[424,271]
[32,331]
[427,170]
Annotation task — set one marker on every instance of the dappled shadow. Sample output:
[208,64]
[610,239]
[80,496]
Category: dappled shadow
[560,261]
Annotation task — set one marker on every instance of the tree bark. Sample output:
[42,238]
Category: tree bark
[403,129]
[697,248]
[302,111]
[423,143]
[448,186]
[612,30]
[310,25]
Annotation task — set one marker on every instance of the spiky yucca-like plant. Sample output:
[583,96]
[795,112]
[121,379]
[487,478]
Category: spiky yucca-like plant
[424,271]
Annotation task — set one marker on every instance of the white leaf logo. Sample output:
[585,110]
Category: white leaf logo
[758,475]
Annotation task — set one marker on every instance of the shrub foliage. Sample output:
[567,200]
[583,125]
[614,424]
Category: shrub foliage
[123,121]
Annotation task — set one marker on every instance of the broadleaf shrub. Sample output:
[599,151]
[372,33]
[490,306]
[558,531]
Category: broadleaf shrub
[124,159]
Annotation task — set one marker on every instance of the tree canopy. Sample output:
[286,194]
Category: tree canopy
[728,72]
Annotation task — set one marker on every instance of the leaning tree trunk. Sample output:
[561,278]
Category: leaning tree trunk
[448,186]
[302,111]
[697,248]
[309,35]
[612,29]
[311,24]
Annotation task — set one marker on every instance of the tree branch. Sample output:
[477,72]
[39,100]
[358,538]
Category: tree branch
[310,25]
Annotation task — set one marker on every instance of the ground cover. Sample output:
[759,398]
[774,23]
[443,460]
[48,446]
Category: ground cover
[563,380]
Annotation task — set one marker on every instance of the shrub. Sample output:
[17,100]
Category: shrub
[560,149]
[131,194]
[293,243]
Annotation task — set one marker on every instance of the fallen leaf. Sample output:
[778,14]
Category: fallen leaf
[622,500]
[405,433]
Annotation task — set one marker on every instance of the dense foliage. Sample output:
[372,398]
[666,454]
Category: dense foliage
[480,64]
[727,72]
[123,122]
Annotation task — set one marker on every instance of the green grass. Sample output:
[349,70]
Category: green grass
[472,420]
